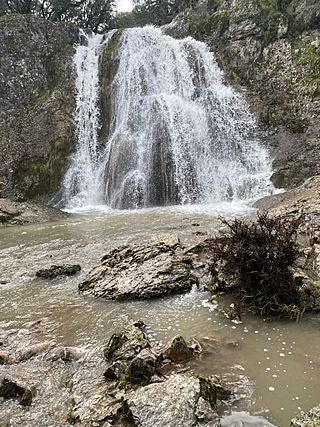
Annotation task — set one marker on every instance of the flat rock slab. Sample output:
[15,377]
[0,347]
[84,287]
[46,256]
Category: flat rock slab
[140,271]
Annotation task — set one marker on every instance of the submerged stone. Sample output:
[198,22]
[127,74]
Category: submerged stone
[243,419]
[58,270]
[11,388]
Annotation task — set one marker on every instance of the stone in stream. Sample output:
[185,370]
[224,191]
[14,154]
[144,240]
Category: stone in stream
[141,271]
[142,367]
[127,344]
[177,350]
[58,270]
[130,356]
[180,401]
[244,419]
[307,419]
[4,357]
[11,388]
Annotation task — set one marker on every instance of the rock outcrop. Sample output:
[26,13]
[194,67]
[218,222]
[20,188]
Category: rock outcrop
[140,271]
[36,104]
[272,50]
[19,213]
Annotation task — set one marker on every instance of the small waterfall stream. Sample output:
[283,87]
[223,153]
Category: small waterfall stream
[178,133]
[83,182]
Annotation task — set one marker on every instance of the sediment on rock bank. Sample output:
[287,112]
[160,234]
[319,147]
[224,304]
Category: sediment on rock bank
[20,213]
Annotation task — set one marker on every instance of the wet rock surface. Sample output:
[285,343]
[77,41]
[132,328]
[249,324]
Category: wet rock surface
[57,385]
[58,270]
[180,401]
[141,271]
[12,388]
[19,213]
[177,350]
[307,419]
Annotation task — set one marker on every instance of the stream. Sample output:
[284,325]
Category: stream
[279,361]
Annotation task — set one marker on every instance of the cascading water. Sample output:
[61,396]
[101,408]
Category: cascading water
[178,134]
[83,182]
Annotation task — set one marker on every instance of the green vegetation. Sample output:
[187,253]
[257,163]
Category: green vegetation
[307,57]
[95,15]
[219,19]
[252,260]
[98,15]
[155,12]
[267,14]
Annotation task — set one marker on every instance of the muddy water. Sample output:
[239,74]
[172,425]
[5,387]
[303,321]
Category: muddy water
[278,361]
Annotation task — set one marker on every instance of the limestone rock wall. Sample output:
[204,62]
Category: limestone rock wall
[270,49]
[36,104]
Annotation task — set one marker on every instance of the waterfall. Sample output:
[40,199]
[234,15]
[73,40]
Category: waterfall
[83,182]
[178,133]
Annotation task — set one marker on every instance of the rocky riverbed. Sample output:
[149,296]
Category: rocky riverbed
[60,366]
[128,381]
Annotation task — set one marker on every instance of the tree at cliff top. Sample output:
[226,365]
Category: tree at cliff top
[95,15]
[156,12]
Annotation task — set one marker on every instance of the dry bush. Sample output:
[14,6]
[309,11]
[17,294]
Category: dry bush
[252,260]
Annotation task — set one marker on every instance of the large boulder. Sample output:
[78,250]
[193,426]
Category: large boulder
[36,104]
[180,401]
[140,271]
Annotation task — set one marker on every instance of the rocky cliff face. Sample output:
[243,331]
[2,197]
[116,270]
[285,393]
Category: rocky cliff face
[36,104]
[272,49]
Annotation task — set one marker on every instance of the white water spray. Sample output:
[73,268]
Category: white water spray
[83,182]
[178,133]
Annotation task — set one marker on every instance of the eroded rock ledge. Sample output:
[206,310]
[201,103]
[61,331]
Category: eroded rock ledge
[141,271]
[19,213]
